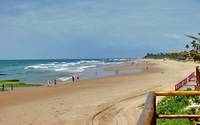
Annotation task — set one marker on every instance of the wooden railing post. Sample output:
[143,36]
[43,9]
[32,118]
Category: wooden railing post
[198,76]
[148,116]
[153,122]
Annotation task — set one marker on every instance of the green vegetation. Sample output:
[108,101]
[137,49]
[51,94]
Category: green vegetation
[192,53]
[16,83]
[174,122]
[176,105]
[172,55]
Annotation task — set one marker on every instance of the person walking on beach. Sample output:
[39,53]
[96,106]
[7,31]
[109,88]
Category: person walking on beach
[55,82]
[48,83]
[147,65]
[73,79]
[12,87]
[77,77]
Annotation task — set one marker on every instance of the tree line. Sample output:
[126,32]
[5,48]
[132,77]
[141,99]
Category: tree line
[192,52]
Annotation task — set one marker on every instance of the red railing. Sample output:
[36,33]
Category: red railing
[184,82]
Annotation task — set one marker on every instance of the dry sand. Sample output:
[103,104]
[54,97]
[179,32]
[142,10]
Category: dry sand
[103,101]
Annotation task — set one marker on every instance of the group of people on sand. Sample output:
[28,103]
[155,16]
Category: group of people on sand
[74,78]
[52,82]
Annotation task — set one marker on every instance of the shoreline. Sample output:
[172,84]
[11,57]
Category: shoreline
[104,71]
[106,100]
[40,71]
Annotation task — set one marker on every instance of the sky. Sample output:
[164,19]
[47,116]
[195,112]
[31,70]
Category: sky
[53,29]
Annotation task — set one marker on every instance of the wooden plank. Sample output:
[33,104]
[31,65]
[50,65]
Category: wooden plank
[198,76]
[148,115]
[178,116]
[178,93]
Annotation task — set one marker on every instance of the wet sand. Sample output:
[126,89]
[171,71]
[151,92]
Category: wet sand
[103,101]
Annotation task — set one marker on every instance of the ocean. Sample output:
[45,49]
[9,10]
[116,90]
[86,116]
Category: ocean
[40,71]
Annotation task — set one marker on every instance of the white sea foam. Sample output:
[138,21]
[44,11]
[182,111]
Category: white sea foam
[64,79]
[90,61]
[36,67]
[61,69]
[85,67]
[71,67]
[75,70]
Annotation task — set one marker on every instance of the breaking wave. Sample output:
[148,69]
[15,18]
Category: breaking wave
[63,79]
[71,67]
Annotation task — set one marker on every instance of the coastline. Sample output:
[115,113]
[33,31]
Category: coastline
[108,100]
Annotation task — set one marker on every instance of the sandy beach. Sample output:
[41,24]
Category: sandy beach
[112,100]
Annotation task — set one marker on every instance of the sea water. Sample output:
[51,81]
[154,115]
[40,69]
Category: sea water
[40,71]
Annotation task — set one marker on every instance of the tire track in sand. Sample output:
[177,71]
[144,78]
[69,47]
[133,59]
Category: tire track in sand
[118,113]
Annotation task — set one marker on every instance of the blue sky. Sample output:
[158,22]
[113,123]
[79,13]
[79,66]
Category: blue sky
[95,28]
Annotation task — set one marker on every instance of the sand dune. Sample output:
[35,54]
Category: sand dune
[104,101]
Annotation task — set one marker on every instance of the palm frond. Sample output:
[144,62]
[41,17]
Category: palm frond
[193,37]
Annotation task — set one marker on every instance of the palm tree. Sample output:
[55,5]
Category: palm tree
[187,46]
[198,47]
[196,41]
[194,53]
[194,37]
[194,44]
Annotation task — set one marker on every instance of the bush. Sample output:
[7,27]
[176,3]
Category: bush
[175,105]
